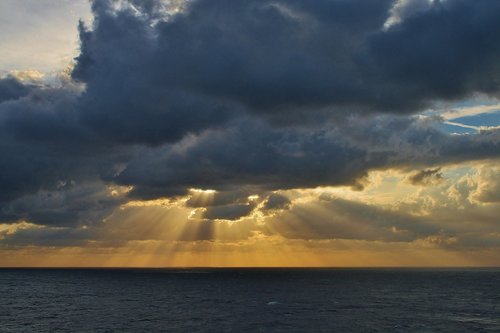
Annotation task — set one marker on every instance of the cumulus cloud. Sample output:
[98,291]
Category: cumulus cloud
[125,101]
[288,60]
[487,185]
[276,202]
[425,177]
[12,89]
[445,52]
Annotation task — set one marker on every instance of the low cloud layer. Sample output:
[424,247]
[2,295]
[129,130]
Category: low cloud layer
[12,89]
[426,177]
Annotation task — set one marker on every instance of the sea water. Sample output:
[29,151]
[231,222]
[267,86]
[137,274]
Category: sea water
[249,300]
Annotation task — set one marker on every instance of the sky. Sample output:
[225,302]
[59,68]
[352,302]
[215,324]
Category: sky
[160,133]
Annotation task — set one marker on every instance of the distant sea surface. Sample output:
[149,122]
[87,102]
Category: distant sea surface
[249,300]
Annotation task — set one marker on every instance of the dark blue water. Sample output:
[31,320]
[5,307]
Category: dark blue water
[249,300]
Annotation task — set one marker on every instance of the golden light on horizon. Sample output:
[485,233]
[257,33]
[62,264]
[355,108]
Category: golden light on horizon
[318,227]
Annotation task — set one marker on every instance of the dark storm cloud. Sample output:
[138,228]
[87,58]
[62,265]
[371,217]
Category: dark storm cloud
[36,142]
[69,204]
[152,81]
[254,153]
[152,78]
[417,141]
[248,157]
[282,55]
[276,202]
[445,52]
[43,144]
[12,89]
[250,153]
[51,165]
[425,177]
[124,102]
[228,212]
[272,55]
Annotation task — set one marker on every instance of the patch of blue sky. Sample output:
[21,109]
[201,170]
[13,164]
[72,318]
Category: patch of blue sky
[467,116]
[472,102]
[483,119]
[455,129]
[457,172]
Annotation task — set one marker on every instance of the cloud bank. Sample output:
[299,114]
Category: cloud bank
[250,99]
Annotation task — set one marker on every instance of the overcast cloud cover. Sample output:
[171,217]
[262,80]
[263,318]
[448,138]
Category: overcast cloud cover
[253,99]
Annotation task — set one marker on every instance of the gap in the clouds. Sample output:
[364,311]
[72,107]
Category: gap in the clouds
[489,119]
[468,116]
[456,128]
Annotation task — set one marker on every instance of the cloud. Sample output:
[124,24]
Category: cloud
[31,235]
[260,157]
[248,153]
[43,143]
[12,89]
[210,198]
[34,139]
[249,99]
[487,185]
[445,52]
[153,81]
[335,218]
[426,177]
[276,202]
[228,212]
[404,9]
[125,101]
[68,205]
[48,145]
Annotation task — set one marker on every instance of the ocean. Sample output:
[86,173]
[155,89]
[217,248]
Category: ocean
[250,300]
